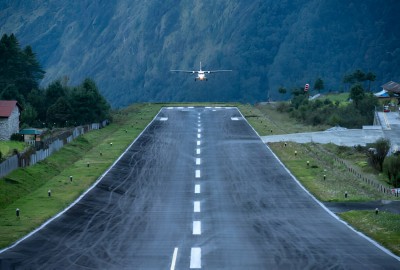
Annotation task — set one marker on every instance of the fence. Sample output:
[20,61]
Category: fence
[375,184]
[44,149]
[8,165]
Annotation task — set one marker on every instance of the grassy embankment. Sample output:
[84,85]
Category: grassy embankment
[7,148]
[27,188]
[384,228]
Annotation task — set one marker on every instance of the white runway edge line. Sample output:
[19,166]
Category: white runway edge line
[197,189]
[195,258]
[321,204]
[198,161]
[197,173]
[196,207]
[175,254]
[83,194]
[197,227]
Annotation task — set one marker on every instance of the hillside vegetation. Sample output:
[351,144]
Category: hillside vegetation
[128,47]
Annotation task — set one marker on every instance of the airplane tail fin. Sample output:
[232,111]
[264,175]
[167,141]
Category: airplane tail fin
[200,65]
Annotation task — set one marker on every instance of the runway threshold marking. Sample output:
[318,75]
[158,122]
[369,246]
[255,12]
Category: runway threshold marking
[197,173]
[195,258]
[197,189]
[173,263]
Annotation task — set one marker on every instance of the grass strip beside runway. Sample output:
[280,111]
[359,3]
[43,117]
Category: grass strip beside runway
[27,188]
[383,227]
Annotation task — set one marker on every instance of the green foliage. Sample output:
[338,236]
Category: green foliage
[319,85]
[20,72]
[356,93]
[391,167]
[56,105]
[378,153]
[282,90]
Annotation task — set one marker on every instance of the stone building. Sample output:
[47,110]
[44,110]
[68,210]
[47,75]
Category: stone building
[10,112]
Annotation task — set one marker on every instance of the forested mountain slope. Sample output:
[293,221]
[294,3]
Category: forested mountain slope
[128,47]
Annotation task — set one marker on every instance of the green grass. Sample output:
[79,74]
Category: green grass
[7,147]
[384,227]
[342,97]
[266,120]
[338,180]
[27,188]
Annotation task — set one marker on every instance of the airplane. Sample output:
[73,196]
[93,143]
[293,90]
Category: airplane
[201,74]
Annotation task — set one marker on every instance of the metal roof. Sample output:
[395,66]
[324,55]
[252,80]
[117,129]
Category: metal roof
[392,87]
[7,106]
[30,131]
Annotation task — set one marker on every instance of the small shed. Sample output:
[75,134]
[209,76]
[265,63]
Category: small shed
[31,134]
[10,112]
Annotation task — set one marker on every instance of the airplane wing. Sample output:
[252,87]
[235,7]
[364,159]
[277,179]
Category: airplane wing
[220,70]
[185,71]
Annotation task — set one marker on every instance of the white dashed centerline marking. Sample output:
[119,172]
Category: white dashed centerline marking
[197,189]
[199,125]
[198,151]
[174,259]
[196,207]
[199,130]
[198,136]
[198,161]
[198,142]
[197,227]
[195,258]
[197,173]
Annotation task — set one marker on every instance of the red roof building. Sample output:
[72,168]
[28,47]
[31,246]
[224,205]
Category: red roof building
[10,112]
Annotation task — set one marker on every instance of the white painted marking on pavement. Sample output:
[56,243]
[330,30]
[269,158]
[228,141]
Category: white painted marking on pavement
[198,142]
[235,118]
[197,227]
[196,207]
[199,130]
[198,161]
[195,258]
[198,136]
[198,151]
[197,173]
[163,118]
[174,258]
[197,189]
[199,125]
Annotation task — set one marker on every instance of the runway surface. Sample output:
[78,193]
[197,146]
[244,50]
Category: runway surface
[198,189]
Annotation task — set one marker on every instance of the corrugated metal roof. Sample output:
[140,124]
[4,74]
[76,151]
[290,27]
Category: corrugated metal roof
[6,107]
[392,87]
[30,131]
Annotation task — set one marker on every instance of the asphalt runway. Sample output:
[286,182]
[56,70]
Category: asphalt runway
[198,189]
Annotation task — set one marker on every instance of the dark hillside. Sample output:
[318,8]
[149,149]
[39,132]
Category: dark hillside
[128,47]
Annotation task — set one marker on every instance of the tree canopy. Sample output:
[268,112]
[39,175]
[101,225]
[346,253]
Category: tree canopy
[57,104]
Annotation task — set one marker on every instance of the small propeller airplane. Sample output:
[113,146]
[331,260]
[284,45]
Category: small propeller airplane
[201,74]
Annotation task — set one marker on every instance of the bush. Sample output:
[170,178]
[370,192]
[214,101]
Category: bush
[17,137]
[391,167]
